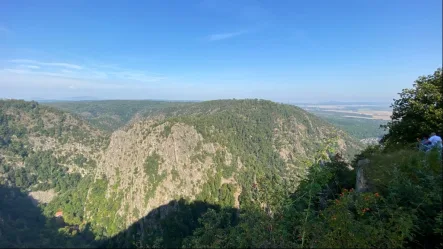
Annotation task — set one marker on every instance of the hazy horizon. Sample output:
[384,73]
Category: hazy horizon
[284,51]
[313,102]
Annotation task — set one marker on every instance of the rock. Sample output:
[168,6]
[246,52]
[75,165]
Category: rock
[42,196]
[361,184]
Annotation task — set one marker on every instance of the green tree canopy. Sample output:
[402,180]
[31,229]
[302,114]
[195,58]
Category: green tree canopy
[419,111]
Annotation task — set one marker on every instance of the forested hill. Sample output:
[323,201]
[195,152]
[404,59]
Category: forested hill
[42,147]
[215,152]
[111,115]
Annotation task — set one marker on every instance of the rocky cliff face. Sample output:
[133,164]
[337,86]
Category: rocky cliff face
[151,168]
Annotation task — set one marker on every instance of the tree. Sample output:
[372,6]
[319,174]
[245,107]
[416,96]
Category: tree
[418,111]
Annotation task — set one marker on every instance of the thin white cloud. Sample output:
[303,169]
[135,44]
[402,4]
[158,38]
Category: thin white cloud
[20,79]
[30,72]
[223,36]
[29,66]
[18,71]
[89,72]
[54,64]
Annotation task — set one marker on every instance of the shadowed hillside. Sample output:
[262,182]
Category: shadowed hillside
[22,224]
[166,226]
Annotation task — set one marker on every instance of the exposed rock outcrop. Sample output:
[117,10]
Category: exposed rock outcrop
[362,184]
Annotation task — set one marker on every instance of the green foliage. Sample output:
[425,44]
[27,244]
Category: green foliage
[361,221]
[5,133]
[226,195]
[28,106]
[367,152]
[407,199]
[358,127]
[71,202]
[41,171]
[321,214]
[151,169]
[166,131]
[80,160]
[151,165]
[210,190]
[412,181]
[418,111]
[104,209]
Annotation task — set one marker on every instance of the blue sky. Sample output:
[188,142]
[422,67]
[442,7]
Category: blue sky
[299,51]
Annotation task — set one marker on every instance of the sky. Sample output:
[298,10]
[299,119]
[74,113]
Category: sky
[286,51]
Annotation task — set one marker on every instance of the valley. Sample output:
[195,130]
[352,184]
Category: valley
[137,174]
[221,124]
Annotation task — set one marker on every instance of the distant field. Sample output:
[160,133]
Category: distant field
[360,121]
[368,111]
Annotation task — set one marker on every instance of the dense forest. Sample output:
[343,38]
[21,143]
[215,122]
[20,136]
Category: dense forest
[359,128]
[300,196]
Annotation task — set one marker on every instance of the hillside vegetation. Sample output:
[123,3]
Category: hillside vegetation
[225,173]
[358,128]
[42,148]
[214,152]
